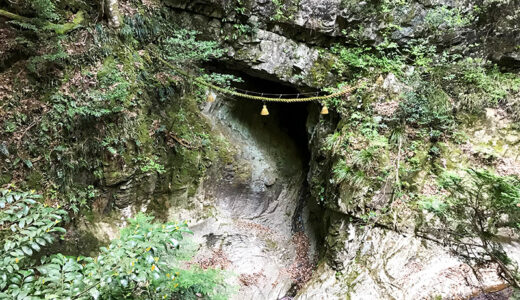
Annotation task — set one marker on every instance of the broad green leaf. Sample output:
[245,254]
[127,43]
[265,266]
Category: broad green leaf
[27,250]
[40,241]
[59,229]
[94,293]
[8,245]
[35,246]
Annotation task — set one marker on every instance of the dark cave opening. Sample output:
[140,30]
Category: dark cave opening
[296,121]
[283,137]
[290,118]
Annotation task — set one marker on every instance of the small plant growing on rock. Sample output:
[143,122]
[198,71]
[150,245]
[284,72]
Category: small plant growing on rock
[478,207]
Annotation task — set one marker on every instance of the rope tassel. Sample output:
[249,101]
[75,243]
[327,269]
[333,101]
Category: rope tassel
[264,111]
[324,110]
[211,97]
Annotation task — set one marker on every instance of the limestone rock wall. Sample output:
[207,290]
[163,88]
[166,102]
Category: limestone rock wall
[281,40]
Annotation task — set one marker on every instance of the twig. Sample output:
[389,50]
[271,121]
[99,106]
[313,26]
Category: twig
[182,141]
[19,138]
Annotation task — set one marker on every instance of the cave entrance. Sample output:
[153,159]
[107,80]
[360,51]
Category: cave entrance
[276,146]
[289,118]
[265,184]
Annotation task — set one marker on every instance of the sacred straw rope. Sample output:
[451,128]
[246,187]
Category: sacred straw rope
[203,83]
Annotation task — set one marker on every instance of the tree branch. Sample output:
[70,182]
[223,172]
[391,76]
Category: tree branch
[58,28]
[12,16]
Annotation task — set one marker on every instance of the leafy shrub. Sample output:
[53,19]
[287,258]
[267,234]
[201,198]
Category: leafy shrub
[432,203]
[362,155]
[362,59]
[43,9]
[477,84]
[26,225]
[152,165]
[144,263]
[40,63]
[443,17]
[183,47]
[108,93]
[387,6]
[427,108]
[343,172]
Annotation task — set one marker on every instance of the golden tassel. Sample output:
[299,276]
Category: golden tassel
[264,111]
[211,97]
[324,110]
[380,80]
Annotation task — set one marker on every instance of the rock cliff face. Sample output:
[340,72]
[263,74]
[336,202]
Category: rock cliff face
[289,33]
[273,197]
[282,41]
[254,201]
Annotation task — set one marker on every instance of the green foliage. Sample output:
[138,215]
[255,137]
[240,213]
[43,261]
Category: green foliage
[387,6]
[147,27]
[223,80]
[143,28]
[239,7]
[183,47]
[370,216]
[479,204]
[38,38]
[285,10]
[477,84]
[343,172]
[44,9]
[26,225]
[483,190]
[432,203]
[243,30]
[492,82]
[97,92]
[428,108]
[42,62]
[35,37]
[361,60]
[446,18]
[423,54]
[279,13]
[460,137]
[362,155]
[152,165]
[108,92]
[144,263]
[74,113]
[515,295]
[335,141]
